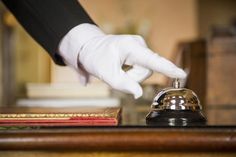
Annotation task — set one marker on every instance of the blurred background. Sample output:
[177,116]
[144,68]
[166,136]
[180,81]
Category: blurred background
[197,35]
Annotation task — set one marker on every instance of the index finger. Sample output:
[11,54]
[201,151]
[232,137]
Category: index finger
[145,57]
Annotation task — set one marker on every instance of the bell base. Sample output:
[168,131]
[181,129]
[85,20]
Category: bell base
[175,118]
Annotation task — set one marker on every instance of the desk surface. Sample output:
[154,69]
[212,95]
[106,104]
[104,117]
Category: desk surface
[121,138]
[125,137]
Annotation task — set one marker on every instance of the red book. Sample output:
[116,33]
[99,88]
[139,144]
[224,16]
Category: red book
[82,117]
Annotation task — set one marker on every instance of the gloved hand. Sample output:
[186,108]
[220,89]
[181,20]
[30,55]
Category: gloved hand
[91,52]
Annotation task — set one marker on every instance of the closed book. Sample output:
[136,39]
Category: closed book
[67,90]
[83,117]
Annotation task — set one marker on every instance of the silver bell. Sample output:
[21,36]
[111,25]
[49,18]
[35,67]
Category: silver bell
[175,106]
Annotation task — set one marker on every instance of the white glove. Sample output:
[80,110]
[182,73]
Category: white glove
[89,51]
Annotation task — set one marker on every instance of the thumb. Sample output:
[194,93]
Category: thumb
[121,81]
[139,73]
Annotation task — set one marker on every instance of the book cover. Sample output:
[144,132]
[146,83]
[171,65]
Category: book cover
[85,117]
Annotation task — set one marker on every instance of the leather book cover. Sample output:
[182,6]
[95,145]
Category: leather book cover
[85,117]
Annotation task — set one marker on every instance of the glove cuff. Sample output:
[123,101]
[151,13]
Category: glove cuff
[72,43]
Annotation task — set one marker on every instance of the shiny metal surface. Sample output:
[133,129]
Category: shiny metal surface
[176,98]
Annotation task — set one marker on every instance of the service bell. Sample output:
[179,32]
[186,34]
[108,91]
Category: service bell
[176,106]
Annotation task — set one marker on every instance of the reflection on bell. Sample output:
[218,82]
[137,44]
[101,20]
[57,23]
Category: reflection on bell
[176,106]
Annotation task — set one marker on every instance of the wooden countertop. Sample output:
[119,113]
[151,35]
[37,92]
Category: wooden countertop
[140,138]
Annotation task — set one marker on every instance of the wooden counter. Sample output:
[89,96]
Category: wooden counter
[139,140]
[208,141]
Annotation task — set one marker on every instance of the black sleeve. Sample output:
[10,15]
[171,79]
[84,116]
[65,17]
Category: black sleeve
[47,21]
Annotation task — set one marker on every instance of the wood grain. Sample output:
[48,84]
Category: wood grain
[121,139]
[221,71]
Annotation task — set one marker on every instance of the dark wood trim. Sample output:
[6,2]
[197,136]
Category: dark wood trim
[121,139]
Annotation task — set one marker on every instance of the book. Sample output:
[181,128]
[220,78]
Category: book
[67,90]
[85,117]
[66,102]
